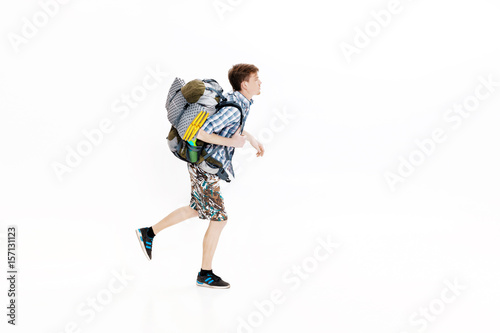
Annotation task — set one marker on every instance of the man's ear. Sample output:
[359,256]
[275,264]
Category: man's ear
[244,85]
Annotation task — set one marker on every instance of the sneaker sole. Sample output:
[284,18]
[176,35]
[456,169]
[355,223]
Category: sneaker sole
[142,243]
[206,285]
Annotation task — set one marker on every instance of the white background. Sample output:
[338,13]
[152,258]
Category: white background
[322,176]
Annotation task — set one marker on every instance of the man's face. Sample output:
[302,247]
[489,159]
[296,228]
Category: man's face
[253,84]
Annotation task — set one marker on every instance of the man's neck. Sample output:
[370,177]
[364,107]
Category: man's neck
[244,93]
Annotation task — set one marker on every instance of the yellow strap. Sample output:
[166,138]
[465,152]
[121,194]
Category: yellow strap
[191,127]
[197,125]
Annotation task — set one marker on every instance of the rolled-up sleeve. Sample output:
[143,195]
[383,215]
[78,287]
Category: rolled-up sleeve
[216,122]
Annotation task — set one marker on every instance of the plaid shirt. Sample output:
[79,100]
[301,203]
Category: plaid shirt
[225,122]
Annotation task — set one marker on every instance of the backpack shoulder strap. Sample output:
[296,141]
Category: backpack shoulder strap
[226,103]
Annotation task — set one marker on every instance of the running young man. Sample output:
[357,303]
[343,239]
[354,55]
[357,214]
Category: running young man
[221,132]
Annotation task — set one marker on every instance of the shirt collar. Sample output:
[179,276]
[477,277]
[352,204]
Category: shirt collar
[242,99]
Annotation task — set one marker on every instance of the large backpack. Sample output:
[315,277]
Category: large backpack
[188,106]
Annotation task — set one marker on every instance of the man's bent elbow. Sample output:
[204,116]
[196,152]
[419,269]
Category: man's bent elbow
[202,135]
[205,137]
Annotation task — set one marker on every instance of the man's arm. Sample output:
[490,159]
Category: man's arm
[255,143]
[216,123]
[248,136]
[236,140]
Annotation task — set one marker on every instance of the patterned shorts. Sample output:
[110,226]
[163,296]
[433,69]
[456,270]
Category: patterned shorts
[205,194]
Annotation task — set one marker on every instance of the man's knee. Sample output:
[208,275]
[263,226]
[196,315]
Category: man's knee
[220,224]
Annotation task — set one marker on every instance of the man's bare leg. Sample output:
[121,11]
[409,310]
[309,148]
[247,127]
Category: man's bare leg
[178,215]
[210,243]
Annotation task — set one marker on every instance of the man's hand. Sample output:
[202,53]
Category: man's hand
[237,139]
[258,146]
[255,143]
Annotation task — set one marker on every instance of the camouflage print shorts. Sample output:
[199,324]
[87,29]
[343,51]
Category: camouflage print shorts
[205,194]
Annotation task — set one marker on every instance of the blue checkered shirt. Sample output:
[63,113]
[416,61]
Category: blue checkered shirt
[225,122]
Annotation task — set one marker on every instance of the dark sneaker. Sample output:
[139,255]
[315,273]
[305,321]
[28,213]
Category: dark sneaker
[211,281]
[145,241]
